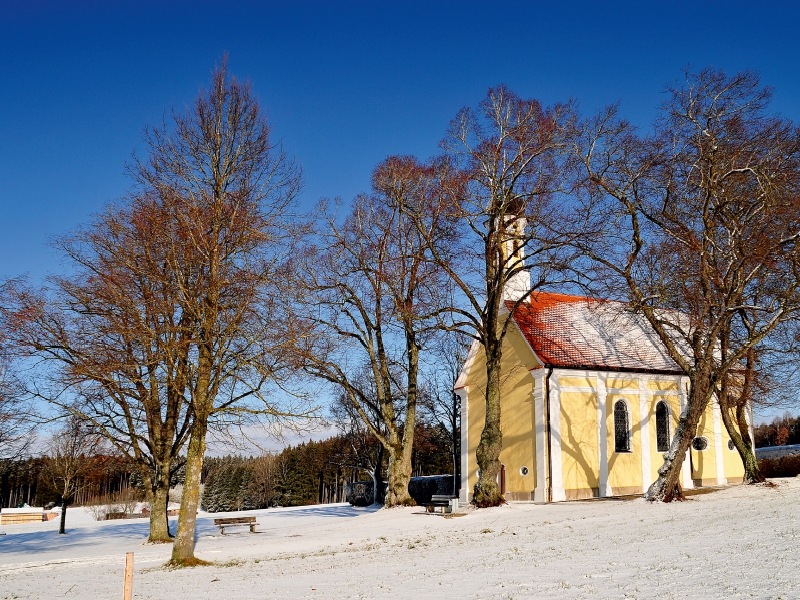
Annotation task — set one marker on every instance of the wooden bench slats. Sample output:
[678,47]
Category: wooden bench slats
[235,522]
[440,500]
[17,517]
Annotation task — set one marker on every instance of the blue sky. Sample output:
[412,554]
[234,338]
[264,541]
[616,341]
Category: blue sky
[345,84]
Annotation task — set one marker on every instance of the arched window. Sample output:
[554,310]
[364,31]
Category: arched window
[662,426]
[622,427]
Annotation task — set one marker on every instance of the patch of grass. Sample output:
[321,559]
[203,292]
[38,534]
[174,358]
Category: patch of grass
[234,562]
[186,563]
[488,502]
[486,531]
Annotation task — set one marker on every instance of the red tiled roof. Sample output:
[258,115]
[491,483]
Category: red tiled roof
[586,333]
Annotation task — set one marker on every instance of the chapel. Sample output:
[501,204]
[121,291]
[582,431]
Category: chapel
[589,400]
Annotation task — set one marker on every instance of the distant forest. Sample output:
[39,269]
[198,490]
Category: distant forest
[782,431]
[314,472]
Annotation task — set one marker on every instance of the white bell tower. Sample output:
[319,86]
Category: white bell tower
[519,283]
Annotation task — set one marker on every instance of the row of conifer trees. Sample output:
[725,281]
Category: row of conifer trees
[308,473]
[314,472]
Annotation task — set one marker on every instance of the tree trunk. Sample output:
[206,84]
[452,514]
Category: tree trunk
[63,519]
[486,491]
[183,545]
[377,477]
[375,483]
[158,499]
[402,446]
[740,435]
[667,487]
[399,476]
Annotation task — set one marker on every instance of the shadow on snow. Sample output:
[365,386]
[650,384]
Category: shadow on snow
[135,531]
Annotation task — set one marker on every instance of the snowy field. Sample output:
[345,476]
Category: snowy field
[738,542]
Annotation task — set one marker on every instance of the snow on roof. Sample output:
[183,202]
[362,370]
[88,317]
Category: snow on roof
[586,333]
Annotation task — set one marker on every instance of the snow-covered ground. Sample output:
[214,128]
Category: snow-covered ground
[739,542]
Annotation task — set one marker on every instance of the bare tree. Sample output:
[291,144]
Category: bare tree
[16,413]
[362,452]
[74,452]
[511,156]
[762,374]
[777,370]
[441,405]
[373,295]
[700,226]
[735,397]
[226,192]
[112,343]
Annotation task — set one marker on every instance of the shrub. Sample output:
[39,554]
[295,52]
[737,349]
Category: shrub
[783,466]
[421,489]
[359,493]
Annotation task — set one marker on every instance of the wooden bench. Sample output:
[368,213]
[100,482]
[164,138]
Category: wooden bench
[443,501]
[17,516]
[236,522]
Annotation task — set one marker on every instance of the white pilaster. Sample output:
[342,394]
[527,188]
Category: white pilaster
[463,493]
[557,482]
[720,459]
[540,491]
[686,469]
[602,435]
[645,399]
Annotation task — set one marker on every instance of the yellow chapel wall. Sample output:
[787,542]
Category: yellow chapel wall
[734,468]
[580,459]
[704,463]
[516,415]
[624,468]
[578,412]
[580,455]
[673,401]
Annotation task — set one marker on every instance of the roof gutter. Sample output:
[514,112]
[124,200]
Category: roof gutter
[607,369]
